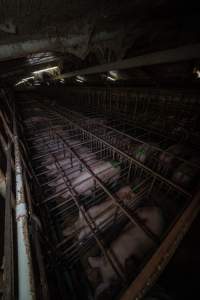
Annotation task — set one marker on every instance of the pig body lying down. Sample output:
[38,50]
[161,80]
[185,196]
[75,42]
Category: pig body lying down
[143,152]
[167,160]
[83,182]
[185,174]
[132,242]
[101,213]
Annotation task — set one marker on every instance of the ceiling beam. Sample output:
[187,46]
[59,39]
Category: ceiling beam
[183,53]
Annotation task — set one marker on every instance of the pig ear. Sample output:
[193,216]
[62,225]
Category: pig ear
[93,261]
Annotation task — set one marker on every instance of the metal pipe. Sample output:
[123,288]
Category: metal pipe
[8,234]
[114,264]
[133,218]
[122,133]
[26,289]
[130,158]
[160,57]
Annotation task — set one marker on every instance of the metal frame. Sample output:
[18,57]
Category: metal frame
[183,53]
[71,127]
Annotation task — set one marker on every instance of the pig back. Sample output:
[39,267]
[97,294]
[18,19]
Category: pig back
[133,240]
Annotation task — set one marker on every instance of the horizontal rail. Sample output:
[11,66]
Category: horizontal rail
[160,57]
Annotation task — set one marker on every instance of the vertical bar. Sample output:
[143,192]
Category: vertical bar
[8,241]
[26,290]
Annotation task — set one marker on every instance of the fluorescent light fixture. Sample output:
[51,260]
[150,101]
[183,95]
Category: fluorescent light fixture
[45,70]
[78,80]
[111,78]
[198,73]
[113,74]
[28,78]
[24,80]
[18,83]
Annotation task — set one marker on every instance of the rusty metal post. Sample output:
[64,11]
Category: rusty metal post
[8,234]
[26,289]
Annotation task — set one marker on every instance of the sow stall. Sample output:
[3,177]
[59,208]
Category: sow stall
[81,180]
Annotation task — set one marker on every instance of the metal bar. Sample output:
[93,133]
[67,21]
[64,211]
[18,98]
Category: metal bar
[161,257]
[122,133]
[130,158]
[8,235]
[36,244]
[89,221]
[115,199]
[183,53]
[26,289]
[87,133]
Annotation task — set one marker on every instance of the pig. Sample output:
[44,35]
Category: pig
[103,169]
[185,173]
[100,213]
[167,161]
[65,160]
[83,182]
[132,242]
[143,152]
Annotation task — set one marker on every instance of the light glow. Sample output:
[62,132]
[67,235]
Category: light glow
[45,70]
[113,74]
[80,79]
[111,78]
[24,80]
[198,73]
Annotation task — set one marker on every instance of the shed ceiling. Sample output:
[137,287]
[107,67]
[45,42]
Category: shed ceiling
[80,33]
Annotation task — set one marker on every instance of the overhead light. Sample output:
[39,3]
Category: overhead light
[80,78]
[114,74]
[18,83]
[24,80]
[45,70]
[111,78]
[198,73]
[28,78]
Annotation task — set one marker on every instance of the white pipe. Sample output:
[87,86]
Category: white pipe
[25,274]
